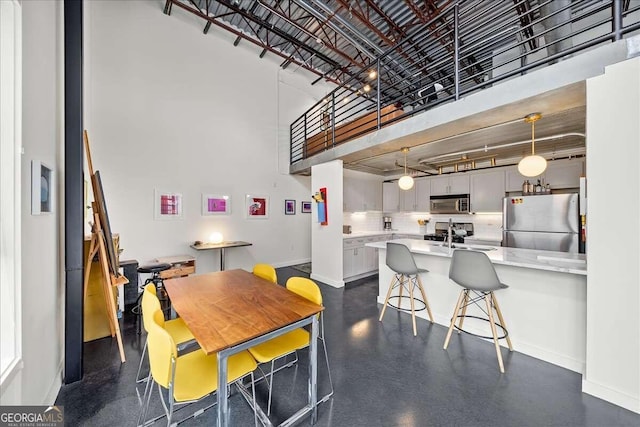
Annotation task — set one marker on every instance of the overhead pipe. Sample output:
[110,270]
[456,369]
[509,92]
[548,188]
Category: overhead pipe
[496,147]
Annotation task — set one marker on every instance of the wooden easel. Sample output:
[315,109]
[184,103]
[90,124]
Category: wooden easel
[98,246]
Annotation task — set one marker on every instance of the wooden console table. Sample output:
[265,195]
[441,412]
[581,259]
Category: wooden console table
[222,246]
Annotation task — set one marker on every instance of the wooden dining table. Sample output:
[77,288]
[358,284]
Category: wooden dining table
[233,310]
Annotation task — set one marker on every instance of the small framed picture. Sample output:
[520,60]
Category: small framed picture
[216,204]
[167,205]
[41,188]
[289,207]
[256,206]
[305,207]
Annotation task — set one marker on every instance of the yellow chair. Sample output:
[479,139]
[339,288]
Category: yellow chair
[178,330]
[286,344]
[190,377]
[265,271]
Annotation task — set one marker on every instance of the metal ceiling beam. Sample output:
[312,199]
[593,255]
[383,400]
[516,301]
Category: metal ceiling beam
[334,27]
[372,4]
[309,34]
[366,22]
[277,31]
[238,33]
[349,26]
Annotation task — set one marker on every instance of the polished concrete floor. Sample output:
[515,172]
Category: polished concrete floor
[383,376]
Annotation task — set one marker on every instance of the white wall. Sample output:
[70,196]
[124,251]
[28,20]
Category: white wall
[613,295]
[170,108]
[38,382]
[326,263]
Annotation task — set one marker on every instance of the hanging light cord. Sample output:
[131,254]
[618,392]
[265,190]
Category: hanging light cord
[533,138]
[405,163]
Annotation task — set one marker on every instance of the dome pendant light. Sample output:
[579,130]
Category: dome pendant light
[532,165]
[405,182]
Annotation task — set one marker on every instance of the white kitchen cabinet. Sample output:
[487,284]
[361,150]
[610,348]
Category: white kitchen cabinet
[487,190]
[450,184]
[359,260]
[408,199]
[361,195]
[564,173]
[354,264]
[513,179]
[370,256]
[423,193]
[390,197]
[352,199]
[353,257]
[559,174]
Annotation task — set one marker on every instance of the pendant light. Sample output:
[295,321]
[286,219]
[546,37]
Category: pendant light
[532,165]
[405,182]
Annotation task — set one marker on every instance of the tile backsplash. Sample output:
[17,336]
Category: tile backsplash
[487,226]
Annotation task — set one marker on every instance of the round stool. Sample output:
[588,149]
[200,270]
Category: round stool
[475,274]
[407,276]
[165,303]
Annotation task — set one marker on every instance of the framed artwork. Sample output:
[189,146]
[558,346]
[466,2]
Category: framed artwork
[167,205]
[216,204]
[305,207]
[42,186]
[289,207]
[256,206]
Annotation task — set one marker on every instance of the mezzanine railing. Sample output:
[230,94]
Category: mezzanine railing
[469,46]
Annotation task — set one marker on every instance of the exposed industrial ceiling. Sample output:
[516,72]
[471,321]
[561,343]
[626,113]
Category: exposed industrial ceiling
[338,39]
[331,38]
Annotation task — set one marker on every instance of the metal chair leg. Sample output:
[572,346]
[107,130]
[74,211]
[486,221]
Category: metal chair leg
[144,352]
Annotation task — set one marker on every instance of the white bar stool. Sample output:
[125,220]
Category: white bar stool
[474,272]
[400,260]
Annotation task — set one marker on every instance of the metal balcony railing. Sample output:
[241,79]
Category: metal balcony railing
[468,46]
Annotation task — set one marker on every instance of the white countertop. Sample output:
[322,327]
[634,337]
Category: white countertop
[561,262]
[378,233]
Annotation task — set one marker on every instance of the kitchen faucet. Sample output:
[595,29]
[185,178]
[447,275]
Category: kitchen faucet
[449,231]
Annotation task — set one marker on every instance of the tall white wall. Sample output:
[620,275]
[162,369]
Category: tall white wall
[326,263]
[170,108]
[613,235]
[39,379]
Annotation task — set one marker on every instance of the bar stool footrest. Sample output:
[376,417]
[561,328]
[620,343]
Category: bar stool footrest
[397,307]
[488,337]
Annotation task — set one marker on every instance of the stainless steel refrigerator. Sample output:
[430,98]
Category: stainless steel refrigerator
[546,222]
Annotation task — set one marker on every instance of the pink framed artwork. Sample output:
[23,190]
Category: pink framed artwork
[167,205]
[216,204]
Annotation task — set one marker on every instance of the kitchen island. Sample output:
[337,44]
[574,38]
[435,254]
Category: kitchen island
[544,307]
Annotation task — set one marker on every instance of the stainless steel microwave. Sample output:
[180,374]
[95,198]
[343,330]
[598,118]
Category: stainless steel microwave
[450,204]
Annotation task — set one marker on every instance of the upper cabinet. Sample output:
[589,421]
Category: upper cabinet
[423,193]
[487,190]
[390,197]
[361,195]
[408,199]
[559,174]
[564,173]
[450,184]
